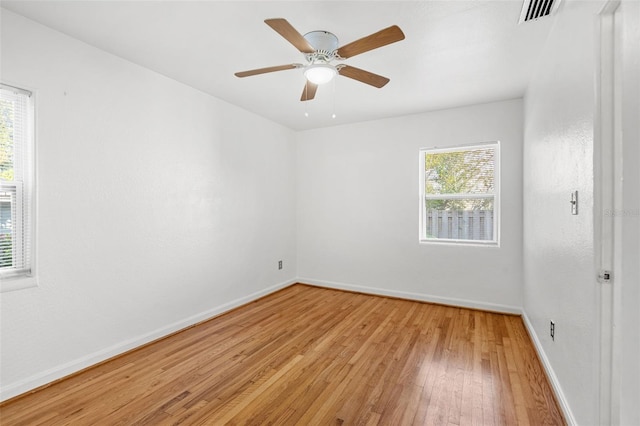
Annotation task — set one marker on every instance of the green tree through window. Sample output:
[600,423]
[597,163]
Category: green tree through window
[6,140]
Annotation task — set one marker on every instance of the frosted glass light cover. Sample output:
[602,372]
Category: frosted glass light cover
[320,73]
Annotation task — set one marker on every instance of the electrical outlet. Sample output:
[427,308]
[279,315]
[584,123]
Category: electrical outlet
[279,264]
[552,330]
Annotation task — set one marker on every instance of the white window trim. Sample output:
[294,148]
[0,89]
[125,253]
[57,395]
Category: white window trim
[12,281]
[496,196]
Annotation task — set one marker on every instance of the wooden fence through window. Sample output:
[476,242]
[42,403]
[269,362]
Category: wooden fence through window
[459,224]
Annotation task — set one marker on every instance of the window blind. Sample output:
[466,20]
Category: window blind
[16,181]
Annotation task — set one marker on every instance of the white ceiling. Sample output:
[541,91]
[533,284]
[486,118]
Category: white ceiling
[455,52]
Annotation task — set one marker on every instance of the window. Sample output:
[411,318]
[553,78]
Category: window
[459,196]
[16,183]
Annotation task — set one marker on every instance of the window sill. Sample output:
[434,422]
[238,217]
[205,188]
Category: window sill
[17,283]
[466,243]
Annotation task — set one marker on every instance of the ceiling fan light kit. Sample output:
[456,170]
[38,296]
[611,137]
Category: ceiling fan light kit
[320,73]
[320,48]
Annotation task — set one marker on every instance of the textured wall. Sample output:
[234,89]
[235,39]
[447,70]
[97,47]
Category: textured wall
[559,272]
[158,205]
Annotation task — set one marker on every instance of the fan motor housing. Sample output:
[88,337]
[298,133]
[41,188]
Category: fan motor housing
[325,44]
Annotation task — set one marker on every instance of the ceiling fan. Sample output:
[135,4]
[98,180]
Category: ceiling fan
[320,48]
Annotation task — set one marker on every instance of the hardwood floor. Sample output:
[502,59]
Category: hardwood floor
[314,356]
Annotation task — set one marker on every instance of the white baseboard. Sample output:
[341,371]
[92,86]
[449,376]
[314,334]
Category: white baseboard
[463,303]
[551,375]
[58,372]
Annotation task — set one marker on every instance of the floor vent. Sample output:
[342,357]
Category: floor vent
[536,9]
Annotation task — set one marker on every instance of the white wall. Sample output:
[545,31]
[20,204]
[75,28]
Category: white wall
[158,206]
[559,256]
[358,209]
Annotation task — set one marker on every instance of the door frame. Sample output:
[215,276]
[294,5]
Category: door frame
[608,200]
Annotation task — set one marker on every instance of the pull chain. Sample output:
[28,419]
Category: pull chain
[334,99]
[306,97]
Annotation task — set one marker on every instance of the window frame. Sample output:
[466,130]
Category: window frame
[25,190]
[422,228]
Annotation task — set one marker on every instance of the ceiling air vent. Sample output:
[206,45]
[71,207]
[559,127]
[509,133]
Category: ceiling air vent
[535,9]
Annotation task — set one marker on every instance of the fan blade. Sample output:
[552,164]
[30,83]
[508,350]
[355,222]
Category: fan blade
[370,42]
[363,76]
[284,28]
[266,70]
[309,91]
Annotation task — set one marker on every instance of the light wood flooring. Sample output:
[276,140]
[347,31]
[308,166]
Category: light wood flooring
[314,356]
